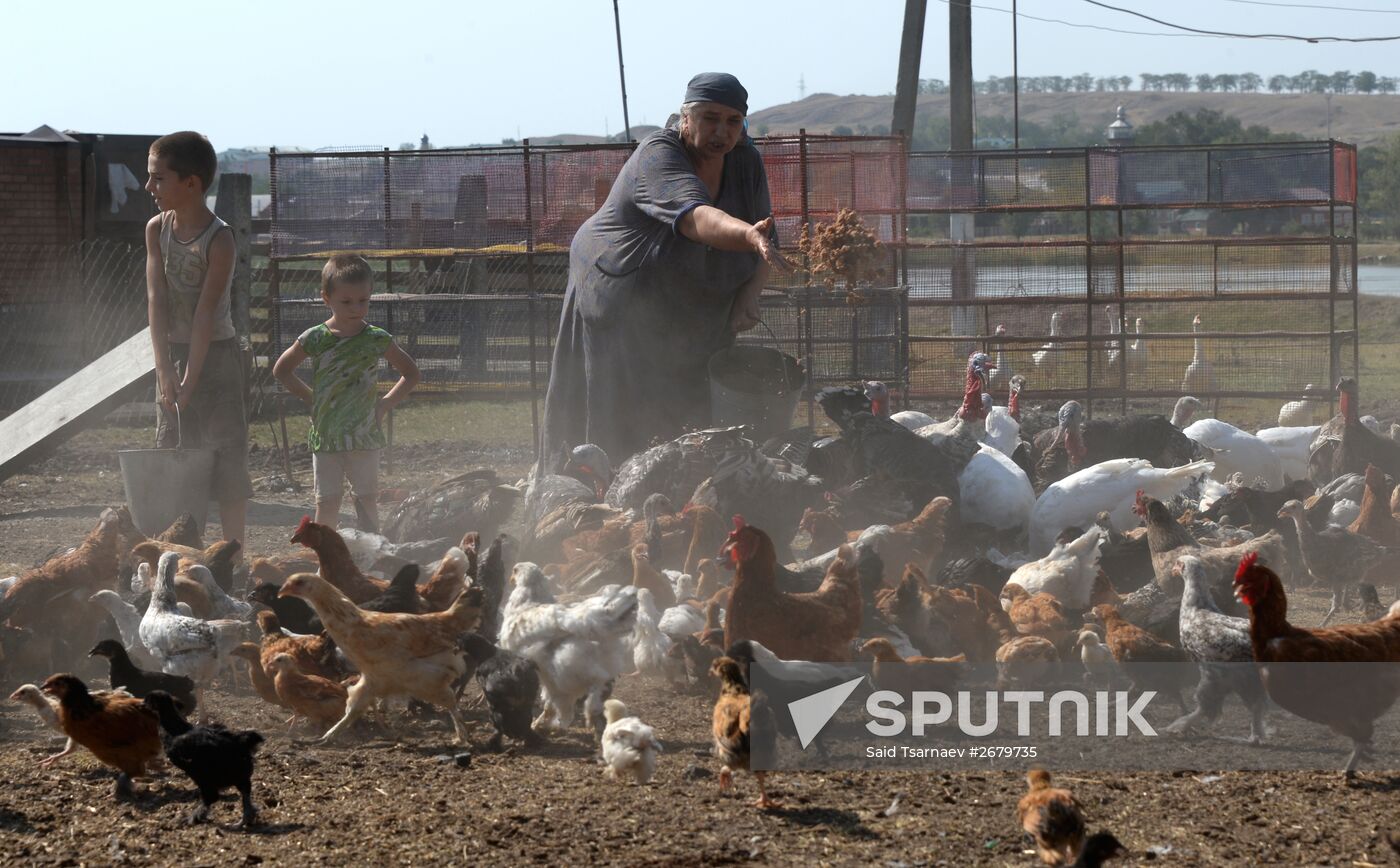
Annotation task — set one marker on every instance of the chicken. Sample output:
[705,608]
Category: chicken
[289,611]
[218,557]
[491,579]
[47,709]
[579,649]
[890,671]
[221,605]
[706,536]
[1110,486]
[630,747]
[1067,573]
[262,682]
[1376,522]
[336,565]
[185,646]
[183,531]
[815,626]
[1099,665]
[313,654]
[1131,645]
[1338,558]
[32,601]
[645,575]
[124,675]
[823,529]
[731,726]
[397,654]
[118,729]
[510,684]
[189,593]
[449,579]
[650,644]
[1052,817]
[214,757]
[1036,615]
[319,700]
[1220,644]
[917,541]
[1025,660]
[401,595]
[1347,699]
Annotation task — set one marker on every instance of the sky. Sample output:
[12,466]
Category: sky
[350,73]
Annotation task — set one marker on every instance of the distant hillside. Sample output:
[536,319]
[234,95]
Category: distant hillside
[1362,119]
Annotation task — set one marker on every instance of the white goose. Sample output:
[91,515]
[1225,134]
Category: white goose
[1137,357]
[1200,377]
[1296,414]
[1115,348]
[1048,356]
[1002,372]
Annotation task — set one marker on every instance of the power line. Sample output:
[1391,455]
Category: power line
[1089,26]
[1231,35]
[1316,6]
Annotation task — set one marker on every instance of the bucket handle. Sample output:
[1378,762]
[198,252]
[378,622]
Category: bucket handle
[179,431]
[787,383]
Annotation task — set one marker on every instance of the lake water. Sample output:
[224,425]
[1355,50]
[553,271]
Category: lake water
[1379,279]
[1000,280]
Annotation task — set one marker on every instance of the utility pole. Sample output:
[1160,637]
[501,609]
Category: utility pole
[961,227]
[626,124]
[911,45]
[801,86]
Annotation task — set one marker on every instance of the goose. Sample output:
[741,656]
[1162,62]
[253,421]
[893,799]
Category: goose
[1199,374]
[1137,357]
[1296,414]
[1048,355]
[1114,328]
[1002,372]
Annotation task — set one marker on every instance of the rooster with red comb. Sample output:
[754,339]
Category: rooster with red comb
[1346,699]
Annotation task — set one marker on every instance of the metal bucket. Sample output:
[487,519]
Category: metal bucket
[163,484]
[756,386]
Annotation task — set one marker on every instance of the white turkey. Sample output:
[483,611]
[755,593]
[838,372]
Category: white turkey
[1292,446]
[1238,451]
[1110,486]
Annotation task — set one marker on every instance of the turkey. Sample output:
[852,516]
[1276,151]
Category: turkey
[994,491]
[1291,445]
[1077,444]
[475,500]
[1238,451]
[776,492]
[674,468]
[579,475]
[1345,445]
[1112,487]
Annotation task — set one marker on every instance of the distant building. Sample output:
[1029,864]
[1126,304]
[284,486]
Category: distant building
[1121,133]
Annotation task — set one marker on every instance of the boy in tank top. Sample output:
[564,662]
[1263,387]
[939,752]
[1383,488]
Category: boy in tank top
[199,362]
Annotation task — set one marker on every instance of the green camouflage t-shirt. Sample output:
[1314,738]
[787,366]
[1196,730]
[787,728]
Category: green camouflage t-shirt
[344,374]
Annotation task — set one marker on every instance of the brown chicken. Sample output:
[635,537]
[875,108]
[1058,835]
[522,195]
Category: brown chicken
[816,626]
[1052,817]
[449,579]
[317,699]
[414,656]
[708,581]
[917,541]
[1037,615]
[907,674]
[823,528]
[645,575]
[117,728]
[706,536]
[1376,522]
[262,682]
[1347,699]
[32,600]
[1025,660]
[314,654]
[336,565]
[1130,645]
[183,531]
[274,571]
[731,728]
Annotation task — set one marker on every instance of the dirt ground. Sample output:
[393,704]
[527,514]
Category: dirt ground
[395,793]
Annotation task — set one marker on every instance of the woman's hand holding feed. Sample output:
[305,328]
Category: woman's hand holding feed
[760,237]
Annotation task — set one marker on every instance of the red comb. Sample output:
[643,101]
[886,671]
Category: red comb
[305,523]
[739,522]
[1246,564]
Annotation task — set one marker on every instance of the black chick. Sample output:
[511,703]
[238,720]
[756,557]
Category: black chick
[401,596]
[1100,847]
[214,757]
[125,675]
[491,578]
[510,683]
[291,612]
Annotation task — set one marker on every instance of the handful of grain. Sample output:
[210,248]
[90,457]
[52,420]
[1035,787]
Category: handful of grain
[843,254]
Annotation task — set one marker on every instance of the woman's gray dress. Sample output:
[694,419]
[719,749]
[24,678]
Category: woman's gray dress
[646,306]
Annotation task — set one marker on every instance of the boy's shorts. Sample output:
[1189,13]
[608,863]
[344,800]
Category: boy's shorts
[331,469]
[215,418]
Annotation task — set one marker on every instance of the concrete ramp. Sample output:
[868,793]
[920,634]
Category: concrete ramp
[79,401]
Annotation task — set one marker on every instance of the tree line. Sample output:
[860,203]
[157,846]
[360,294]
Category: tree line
[1307,81]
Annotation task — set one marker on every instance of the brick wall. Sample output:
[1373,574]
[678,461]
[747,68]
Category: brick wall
[41,193]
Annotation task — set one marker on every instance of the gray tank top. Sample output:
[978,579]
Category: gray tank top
[186,263]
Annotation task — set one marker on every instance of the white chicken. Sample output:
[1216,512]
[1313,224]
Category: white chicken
[182,645]
[577,648]
[1109,486]
[221,605]
[650,644]
[1238,451]
[681,620]
[128,621]
[1293,446]
[1068,571]
[629,746]
[1099,665]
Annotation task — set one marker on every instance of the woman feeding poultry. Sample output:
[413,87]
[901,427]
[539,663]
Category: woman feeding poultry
[662,276]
